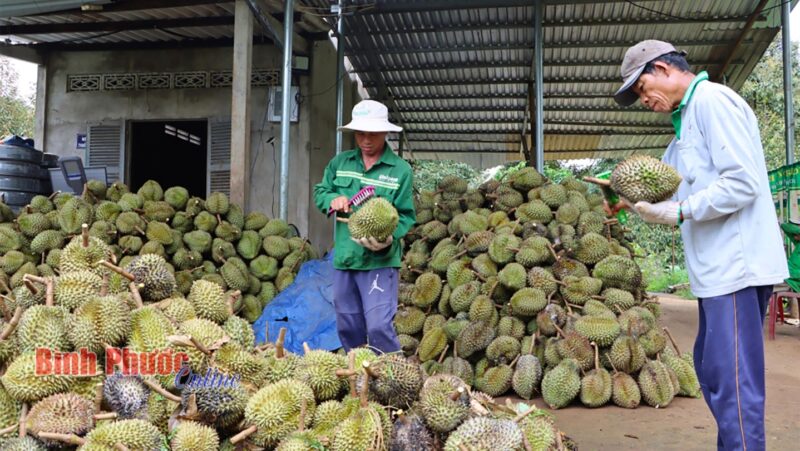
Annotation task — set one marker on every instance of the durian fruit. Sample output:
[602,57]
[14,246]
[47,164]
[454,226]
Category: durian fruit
[684,370]
[151,271]
[191,436]
[644,178]
[318,368]
[601,330]
[272,413]
[62,413]
[596,385]
[127,395]
[26,443]
[100,321]
[627,354]
[495,380]
[618,272]
[209,301]
[539,430]
[409,432]
[43,327]
[72,289]
[366,428]
[394,380]
[484,433]
[377,218]
[22,382]
[221,405]
[206,333]
[133,434]
[432,344]
[561,384]
[527,373]
[444,402]
[656,384]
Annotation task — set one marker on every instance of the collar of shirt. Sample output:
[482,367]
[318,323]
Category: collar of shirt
[387,157]
[676,115]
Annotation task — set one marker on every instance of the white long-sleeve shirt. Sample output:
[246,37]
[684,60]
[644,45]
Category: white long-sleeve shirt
[731,235]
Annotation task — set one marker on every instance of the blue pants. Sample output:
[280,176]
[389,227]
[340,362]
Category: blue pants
[365,304]
[729,359]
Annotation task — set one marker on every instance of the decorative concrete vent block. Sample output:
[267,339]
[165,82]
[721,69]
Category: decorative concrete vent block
[191,79]
[154,81]
[119,82]
[88,82]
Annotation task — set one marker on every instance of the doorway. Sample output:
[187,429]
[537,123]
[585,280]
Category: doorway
[171,153]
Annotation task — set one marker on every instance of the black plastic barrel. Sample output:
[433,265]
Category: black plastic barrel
[22,174]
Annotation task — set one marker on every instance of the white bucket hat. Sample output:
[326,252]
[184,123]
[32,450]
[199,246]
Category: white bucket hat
[370,116]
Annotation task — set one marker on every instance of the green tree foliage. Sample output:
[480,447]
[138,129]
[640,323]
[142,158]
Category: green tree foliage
[16,114]
[763,90]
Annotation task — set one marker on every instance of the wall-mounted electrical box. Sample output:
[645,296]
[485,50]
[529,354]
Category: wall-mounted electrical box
[275,107]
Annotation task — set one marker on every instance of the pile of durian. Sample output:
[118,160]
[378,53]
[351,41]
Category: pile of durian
[209,239]
[526,287]
[100,275]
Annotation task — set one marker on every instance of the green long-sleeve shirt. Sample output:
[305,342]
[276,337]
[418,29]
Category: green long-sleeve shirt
[392,178]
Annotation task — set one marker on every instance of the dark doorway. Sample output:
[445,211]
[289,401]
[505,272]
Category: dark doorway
[171,153]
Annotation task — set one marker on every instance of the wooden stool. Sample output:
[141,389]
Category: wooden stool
[776,309]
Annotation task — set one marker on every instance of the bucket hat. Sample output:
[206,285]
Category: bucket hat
[370,116]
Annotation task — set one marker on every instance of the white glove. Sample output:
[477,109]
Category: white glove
[372,244]
[666,212]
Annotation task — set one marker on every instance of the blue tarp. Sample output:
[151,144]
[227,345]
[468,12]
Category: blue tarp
[305,309]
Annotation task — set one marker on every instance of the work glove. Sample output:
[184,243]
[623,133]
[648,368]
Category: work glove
[666,212]
[372,244]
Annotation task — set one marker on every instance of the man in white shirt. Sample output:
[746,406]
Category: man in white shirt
[733,246]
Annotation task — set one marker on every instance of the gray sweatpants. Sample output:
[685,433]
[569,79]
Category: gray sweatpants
[365,304]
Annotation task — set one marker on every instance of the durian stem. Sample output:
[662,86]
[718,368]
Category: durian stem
[460,254]
[365,388]
[672,340]
[558,329]
[612,363]
[49,293]
[553,251]
[232,300]
[105,416]
[368,369]
[23,415]
[121,447]
[597,181]
[98,397]
[137,298]
[156,387]
[455,348]
[117,270]
[344,220]
[596,356]
[514,362]
[139,229]
[53,196]
[104,285]
[85,235]
[525,443]
[9,429]
[306,348]
[302,426]
[533,343]
[31,287]
[191,406]
[4,287]
[444,353]
[279,343]
[456,393]
[9,329]
[70,439]
[532,408]
[351,378]
[37,279]
[462,447]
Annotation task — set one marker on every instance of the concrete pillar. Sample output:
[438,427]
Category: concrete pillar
[240,106]
[40,114]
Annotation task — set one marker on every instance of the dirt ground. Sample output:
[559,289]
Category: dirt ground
[687,424]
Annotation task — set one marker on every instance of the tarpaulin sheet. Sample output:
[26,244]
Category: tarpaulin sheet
[305,309]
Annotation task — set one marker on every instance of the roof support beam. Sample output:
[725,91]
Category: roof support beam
[523,65]
[623,124]
[547,151]
[735,47]
[508,81]
[115,25]
[22,52]
[137,5]
[480,109]
[514,132]
[275,28]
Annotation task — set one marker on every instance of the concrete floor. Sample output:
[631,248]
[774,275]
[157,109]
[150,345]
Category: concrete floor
[687,424]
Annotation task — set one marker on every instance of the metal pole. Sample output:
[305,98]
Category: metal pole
[287,105]
[788,107]
[538,36]
[339,77]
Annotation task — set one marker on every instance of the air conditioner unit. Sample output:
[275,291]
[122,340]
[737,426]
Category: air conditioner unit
[275,107]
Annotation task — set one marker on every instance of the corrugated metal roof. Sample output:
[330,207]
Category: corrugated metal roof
[456,73]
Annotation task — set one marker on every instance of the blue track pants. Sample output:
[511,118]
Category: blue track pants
[365,304]
[729,359]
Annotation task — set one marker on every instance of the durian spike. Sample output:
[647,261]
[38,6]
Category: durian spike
[456,393]
[37,279]
[117,270]
[31,287]
[9,429]
[156,387]
[306,348]
[137,298]
[70,439]
[365,387]
[444,353]
[9,329]
[105,416]
[302,418]
[49,298]
[279,344]
[23,418]
[596,356]
[85,235]
[672,340]
[98,397]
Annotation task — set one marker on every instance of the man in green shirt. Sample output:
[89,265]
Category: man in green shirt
[366,271]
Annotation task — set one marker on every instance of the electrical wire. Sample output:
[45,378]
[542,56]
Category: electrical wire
[695,19]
